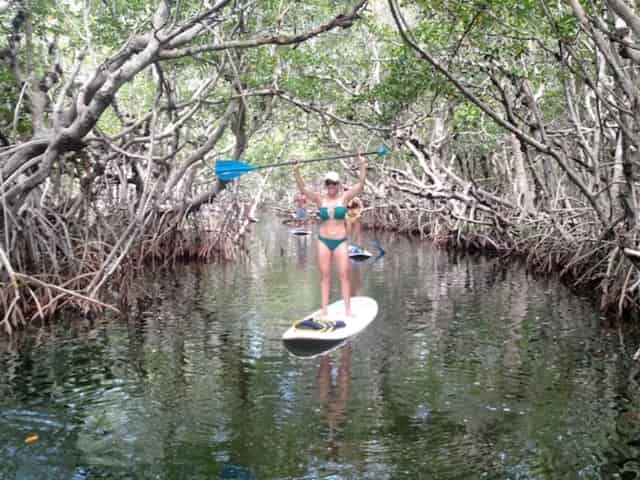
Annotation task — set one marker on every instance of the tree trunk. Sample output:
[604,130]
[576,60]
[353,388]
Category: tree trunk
[522,190]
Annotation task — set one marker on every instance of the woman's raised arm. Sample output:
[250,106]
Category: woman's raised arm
[313,196]
[358,187]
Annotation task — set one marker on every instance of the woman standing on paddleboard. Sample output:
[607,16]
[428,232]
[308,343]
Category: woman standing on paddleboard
[332,234]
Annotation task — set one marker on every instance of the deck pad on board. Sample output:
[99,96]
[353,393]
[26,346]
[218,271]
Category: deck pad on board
[335,326]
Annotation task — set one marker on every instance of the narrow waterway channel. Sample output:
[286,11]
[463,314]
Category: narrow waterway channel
[472,369]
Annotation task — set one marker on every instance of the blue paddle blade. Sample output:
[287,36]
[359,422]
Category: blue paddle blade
[382,151]
[229,169]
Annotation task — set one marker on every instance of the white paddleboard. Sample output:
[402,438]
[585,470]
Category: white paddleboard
[358,253]
[363,310]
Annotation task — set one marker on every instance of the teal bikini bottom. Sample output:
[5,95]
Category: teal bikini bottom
[332,243]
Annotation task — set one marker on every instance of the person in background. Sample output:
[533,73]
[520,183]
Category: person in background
[354,210]
[300,203]
[332,233]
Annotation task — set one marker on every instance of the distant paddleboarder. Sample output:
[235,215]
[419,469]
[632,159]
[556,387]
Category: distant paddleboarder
[332,232]
[354,210]
[300,203]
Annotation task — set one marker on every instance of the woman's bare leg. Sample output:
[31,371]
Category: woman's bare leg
[341,253]
[324,266]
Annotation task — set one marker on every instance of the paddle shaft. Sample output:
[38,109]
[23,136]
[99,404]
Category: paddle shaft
[348,155]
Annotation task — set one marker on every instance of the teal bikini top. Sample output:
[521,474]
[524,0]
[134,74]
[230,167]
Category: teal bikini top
[339,212]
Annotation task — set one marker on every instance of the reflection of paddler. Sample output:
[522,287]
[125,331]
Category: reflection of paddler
[301,250]
[334,396]
[355,281]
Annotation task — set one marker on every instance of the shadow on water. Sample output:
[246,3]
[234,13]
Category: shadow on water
[312,348]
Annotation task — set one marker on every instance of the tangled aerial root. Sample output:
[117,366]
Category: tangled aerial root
[81,259]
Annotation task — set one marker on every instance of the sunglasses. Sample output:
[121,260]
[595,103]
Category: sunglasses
[328,183]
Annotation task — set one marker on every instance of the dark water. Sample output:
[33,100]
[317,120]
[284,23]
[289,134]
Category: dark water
[472,370]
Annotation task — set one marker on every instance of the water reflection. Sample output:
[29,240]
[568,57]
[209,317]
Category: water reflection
[472,369]
[355,279]
[334,383]
[301,250]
